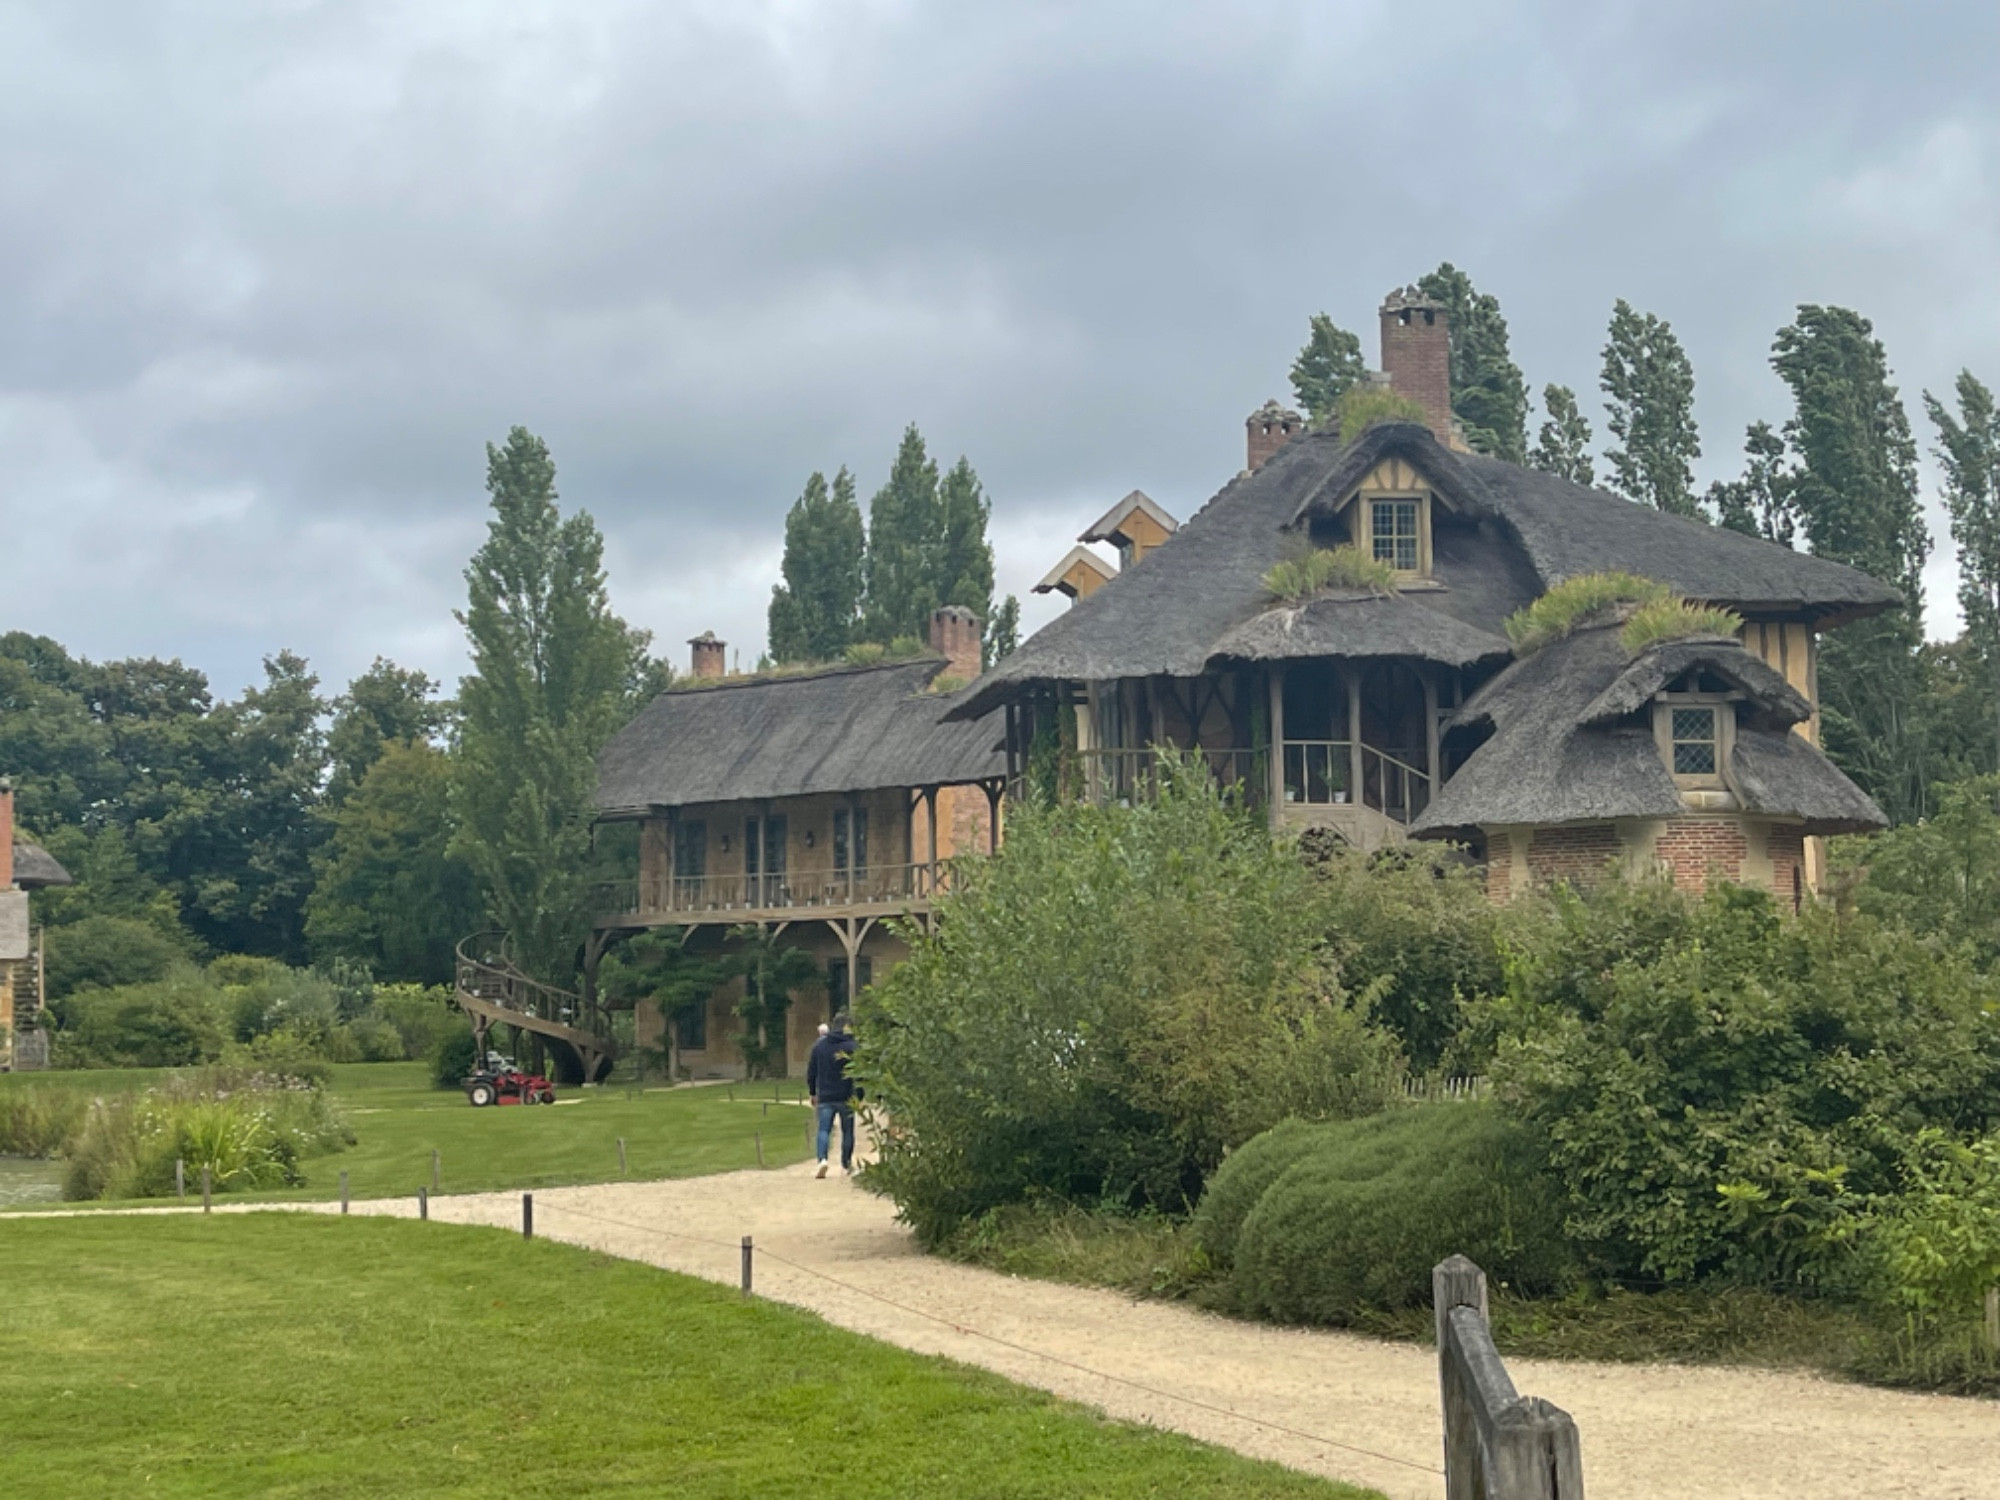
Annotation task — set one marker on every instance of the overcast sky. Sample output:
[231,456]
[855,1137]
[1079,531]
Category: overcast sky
[272,274]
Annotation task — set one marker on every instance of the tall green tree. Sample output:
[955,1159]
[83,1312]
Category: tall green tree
[1003,633]
[905,541]
[1968,450]
[554,673]
[965,557]
[1760,503]
[385,705]
[1326,367]
[1648,385]
[815,610]
[1562,447]
[1488,395]
[1853,489]
[389,892]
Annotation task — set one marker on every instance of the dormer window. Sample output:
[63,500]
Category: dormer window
[1694,722]
[1695,741]
[1393,533]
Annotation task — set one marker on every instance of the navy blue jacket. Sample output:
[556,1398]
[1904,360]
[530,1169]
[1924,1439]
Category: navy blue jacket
[826,1069]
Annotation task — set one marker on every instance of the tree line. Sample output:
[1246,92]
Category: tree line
[849,585]
[1838,476]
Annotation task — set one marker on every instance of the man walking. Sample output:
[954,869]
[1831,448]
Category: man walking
[832,1092]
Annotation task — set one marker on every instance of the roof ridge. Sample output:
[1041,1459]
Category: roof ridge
[814,674]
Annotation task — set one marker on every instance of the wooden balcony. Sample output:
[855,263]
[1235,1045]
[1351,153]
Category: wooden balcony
[698,900]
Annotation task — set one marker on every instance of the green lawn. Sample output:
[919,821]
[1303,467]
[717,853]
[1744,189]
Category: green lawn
[399,1120]
[282,1355]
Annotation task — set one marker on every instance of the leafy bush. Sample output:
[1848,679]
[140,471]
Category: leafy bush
[39,1121]
[1294,579]
[1577,601]
[1675,619]
[1358,1220]
[1121,995]
[250,1130]
[1720,1088]
[177,1021]
[106,952]
[1242,1178]
[1940,876]
[421,1014]
[452,1055]
[1414,931]
[1936,1244]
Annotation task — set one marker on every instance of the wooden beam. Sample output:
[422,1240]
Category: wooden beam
[1352,678]
[1276,674]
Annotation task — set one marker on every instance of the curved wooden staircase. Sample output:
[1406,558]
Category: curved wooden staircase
[492,990]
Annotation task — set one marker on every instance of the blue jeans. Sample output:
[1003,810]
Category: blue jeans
[846,1113]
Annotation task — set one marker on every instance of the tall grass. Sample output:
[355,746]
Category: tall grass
[39,1121]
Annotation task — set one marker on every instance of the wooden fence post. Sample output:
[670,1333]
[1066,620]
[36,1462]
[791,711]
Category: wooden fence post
[1993,1318]
[343,1192]
[435,1169]
[527,1216]
[205,1185]
[423,1203]
[1498,1445]
[746,1265]
[180,1178]
[758,1137]
[621,1156]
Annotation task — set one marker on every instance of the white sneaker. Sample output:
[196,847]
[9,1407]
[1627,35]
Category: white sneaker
[848,1170]
[822,1170]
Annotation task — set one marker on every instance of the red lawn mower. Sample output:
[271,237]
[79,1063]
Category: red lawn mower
[500,1082]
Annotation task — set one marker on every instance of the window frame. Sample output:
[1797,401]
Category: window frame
[1723,707]
[1364,529]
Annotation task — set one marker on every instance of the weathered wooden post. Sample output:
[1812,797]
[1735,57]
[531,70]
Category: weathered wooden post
[1993,1318]
[205,1184]
[527,1216]
[180,1178]
[1498,1445]
[435,1170]
[423,1203]
[621,1156]
[758,1137]
[746,1265]
[343,1192]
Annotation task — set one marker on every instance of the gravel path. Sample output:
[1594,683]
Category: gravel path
[1358,1409]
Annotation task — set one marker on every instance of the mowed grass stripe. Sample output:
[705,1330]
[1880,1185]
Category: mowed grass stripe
[285,1355]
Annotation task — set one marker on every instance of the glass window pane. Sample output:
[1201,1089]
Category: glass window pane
[1694,741]
[1694,759]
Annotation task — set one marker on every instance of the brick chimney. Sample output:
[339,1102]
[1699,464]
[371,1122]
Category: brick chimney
[6,834]
[1416,354]
[1271,426]
[710,655]
[955,637]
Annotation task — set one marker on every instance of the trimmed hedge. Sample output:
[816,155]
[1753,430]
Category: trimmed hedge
[1242,1179]
[1366,1207]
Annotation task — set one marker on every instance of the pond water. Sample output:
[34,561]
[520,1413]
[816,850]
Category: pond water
[28,1180]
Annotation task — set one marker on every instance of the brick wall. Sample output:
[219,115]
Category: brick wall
[1499,868]
[1787,848]
[1577,854]
[1416,356]
[1693,849]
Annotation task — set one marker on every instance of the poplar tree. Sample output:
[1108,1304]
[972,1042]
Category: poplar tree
[1648,384]
[965,558]
[1488,395]
[1562,447]
[1853,488]
[814,611]
[554,673]
[1969,452]
[905,541]
[1760,503]
[1003,633]
[1327,366]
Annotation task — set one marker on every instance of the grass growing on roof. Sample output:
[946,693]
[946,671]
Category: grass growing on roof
[1577,601]
[1294,579]
[1675,619]
[306,1356]
[1364,405]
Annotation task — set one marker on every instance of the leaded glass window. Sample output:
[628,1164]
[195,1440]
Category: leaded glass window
[1694,741]
[1393,530]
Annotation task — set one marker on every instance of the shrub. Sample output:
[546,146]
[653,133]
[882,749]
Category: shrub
[422,1015]
[1121,995]
[1362,406]
[1936,1244]
[39,1121]
[1413,931]
[1358,1220]
[250,1130]
[1720,1088]
[174,1022]
[453,1055]
[103,952]
[1294,579]
[1675,619]
[1242,1178]
[1577,601]
[1940,876]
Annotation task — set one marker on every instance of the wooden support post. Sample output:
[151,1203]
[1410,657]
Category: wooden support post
[436,1168]
[423,1203]
[343,1192]
[1276,788]
[993,791]
[180,1178]
[206,1184]
[621,1156]
[746,1265]
[930,821]
[527,1216]
[1432,771]
[758,1137]
[1353,680]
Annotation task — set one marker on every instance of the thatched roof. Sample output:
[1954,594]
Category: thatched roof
[847,729]
[35,867]
[1358,624]
[1518,532]
[1558,754]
